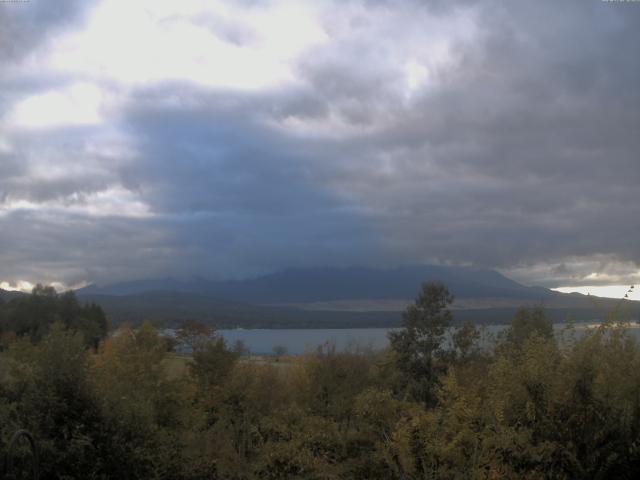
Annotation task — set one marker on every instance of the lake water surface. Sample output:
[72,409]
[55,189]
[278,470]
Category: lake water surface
[297,341]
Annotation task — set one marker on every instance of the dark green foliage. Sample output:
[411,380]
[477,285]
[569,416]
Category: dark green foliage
[52,396]
[212,362]
[32,316]
[465,339]
[526,323]
[418,345]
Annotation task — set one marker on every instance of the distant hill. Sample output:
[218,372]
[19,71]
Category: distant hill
[334,297]
[323,284]
[170,308]
[9,295]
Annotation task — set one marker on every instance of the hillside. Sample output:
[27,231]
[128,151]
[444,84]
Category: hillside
[170,308]
[329,284]
[334,297]
[6,295]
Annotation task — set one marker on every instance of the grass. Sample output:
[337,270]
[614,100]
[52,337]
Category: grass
[177,365]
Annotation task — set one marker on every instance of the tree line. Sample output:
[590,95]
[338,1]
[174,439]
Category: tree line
[438,403]
[31,316]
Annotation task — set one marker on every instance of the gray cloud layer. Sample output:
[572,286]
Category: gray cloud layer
[520,152]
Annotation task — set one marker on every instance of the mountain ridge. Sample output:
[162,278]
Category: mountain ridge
[336,297]
[297,285]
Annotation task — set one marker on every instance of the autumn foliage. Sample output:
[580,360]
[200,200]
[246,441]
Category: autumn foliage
[443,402]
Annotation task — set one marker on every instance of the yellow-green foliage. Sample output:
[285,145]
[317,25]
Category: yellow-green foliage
[529,407]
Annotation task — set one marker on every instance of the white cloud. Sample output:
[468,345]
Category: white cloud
[417,75]
[112,202]
[76,105]
[610,291]
[19,286]
[151,41]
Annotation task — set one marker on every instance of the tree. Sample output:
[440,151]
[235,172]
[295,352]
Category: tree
[464,339]
[331,380]
[240,348]
[417,346]
[212,363]
[33,315]
[142,405]
[279,351]
[526,323]
[55,401]
[193,333]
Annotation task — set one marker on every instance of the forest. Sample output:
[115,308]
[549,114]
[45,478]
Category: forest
[439,403]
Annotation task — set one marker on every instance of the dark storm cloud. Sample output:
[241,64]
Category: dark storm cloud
[518,150]
[244,197]
[526,152]
[51,246]
[51,153]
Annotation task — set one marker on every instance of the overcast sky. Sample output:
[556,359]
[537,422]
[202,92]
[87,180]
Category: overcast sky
[227,139]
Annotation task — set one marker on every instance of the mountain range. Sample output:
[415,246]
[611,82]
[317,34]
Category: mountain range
[334,297]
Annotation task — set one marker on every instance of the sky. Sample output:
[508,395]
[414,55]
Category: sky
[228,139]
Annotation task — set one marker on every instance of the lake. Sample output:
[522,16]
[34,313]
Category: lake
[297,341]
